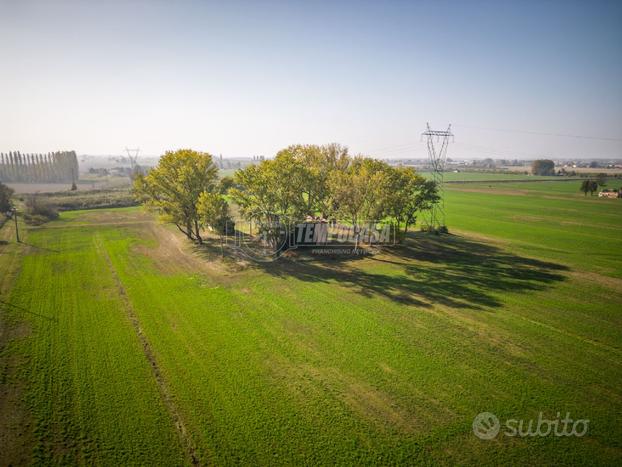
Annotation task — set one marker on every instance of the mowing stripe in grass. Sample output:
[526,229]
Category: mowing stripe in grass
[180,426]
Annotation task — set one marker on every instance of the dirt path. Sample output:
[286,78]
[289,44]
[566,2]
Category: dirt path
[185,439]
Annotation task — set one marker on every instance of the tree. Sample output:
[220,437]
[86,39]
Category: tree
[173,188]
[543,167]
[213,212]
[5,198]
[225,184]
[593,187]
[488,163]
[359,193]
[590,186]
[307,180]
[271,188]
[270,195]
[601,179]
[411,194]
[317,164]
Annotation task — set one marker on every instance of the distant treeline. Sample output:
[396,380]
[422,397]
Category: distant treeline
[53,167]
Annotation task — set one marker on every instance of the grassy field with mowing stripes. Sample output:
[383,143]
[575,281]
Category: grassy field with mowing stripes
[128,346]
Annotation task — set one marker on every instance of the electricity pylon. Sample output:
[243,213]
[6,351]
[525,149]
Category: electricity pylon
[438,157]
[132,154]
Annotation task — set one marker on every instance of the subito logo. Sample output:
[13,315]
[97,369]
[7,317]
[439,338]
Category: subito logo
[486,425]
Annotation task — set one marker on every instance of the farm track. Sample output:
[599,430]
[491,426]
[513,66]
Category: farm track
[174,413]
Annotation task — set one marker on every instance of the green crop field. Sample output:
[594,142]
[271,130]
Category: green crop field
[486,176]
[120,344]
[551,220]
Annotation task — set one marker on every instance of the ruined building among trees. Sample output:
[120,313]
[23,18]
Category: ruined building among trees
[53,167]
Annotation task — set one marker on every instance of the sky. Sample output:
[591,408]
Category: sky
[519,79]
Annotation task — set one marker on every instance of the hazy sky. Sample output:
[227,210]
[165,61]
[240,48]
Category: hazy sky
[248,78]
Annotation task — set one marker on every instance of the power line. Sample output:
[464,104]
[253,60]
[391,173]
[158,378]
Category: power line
[412,149]
[542,133]
[497,152]
[412,152]
[393,148]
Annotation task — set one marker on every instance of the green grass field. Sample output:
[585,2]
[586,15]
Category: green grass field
[551,220]
[486,176]
[121,345]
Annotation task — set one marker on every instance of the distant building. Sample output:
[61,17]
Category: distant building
[610,194]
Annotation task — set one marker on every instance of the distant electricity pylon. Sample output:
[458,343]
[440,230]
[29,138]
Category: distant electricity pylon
[132,154]
[438,157]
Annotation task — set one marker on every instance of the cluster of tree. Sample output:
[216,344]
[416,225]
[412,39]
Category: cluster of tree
[301,181]
[38,210]
[100,172]
[61,167]
[590,186]
[487,163]
[310,180]
[543,167]
[184,188]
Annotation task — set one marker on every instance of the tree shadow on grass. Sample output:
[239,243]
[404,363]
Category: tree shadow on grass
[427,270]
[26,310]
[40,248]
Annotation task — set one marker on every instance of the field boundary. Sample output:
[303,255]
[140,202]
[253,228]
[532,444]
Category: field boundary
[522,180]
[174,413]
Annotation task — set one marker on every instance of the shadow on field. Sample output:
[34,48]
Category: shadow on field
[427,270]
[40,248]
[26,310]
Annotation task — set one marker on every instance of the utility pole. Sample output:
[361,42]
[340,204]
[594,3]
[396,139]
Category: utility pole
[16,227]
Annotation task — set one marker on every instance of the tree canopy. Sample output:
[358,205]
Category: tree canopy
[5,198]
[543,167]
[310,180]
[412,194]
[173,188]
[590,186]
[301,181]
[213,212]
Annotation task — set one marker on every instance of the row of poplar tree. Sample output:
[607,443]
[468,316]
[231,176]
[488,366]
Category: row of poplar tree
[53,167]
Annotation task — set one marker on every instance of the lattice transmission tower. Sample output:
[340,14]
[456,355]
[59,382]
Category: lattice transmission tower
[438,156]
[132,154]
